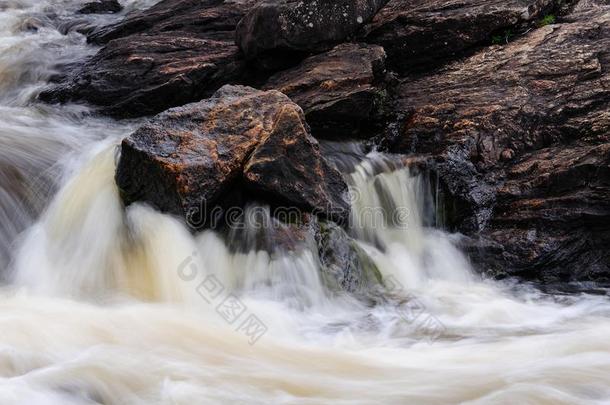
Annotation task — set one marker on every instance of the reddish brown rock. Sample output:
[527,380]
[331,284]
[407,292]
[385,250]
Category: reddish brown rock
[185,159]
[214,19]
[275,32]
[341,91]
[420,34]
[146,74]
[520,133]
[553,213]
[178,51]
[286,160]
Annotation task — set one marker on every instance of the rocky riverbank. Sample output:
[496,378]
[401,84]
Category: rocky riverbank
[506,102]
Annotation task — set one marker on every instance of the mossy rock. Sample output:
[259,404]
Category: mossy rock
[345,265]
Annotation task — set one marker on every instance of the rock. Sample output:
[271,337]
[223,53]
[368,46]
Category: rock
[175,53]
[185,160]
[212,19]
[101,7]
[276,32]
[145,74]
[345,265]
[340,90]
[553,213]
[420,34]
[520,134]
[260,228]
[288,166]
[580,6]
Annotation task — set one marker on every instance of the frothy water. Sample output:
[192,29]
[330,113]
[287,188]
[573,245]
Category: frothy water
[39,144]
[116,305]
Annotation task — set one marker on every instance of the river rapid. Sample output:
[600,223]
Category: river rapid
[102,304]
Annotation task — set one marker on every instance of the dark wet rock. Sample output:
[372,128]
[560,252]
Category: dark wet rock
[553,211]
[274,33]
[185,160]
[101,7]
[420,34]
[146,74]
[287,165]
[345,265]
[341,91]
[174,53]
[520,135]
[213,19]
[259,227]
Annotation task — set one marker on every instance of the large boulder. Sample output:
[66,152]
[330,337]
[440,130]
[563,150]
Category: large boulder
[185,160]
[175,53]
[420,34]
[520,133]
[341,91]
[277,31]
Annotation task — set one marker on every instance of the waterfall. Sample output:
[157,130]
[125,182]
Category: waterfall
[391,207]
[87,244]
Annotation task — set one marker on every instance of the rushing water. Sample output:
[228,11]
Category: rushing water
[114,306]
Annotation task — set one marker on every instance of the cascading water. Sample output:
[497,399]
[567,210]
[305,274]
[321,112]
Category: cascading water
[122,306]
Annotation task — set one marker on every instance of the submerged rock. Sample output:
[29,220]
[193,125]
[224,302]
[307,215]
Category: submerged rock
[257,143]
[172,54]
[345,265]
[520,133]
[340,90]
[419,34]
[101,7]
[274,32]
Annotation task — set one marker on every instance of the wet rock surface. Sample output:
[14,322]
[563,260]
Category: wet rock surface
[520,133]
[341,91]
[346,266]
[185,159]
[287,165]
[275,32]
[172,54]
[553,213]
[420,34]
[146,74]
[101,7]
[215,19]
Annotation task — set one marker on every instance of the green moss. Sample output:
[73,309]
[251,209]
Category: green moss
[380,101]
[502,38]
[547,20]
[370,272]
[344,264]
